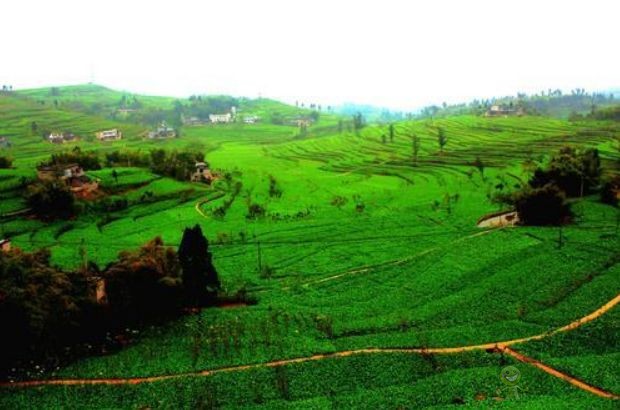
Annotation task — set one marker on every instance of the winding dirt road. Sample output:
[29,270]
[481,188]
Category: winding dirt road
[560,375]
[496,346]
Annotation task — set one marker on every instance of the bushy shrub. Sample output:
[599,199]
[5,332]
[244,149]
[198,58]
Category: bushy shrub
[88,160]
[610,192]
[6,162]
[41,305]
[50,200]
[255,211]
[541,206]
[274,189]
[572,171]
[145,283]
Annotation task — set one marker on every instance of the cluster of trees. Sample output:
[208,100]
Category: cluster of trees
[88,160]
[174,164]
[569,173]
[201,106]
[48,309]
[607,114]
[359,122]
[50,200]
[610,191]
[547,102]
[129,102]
[572,171]
[127,158]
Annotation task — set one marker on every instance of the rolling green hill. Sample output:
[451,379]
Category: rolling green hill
[368,249]
[98,100]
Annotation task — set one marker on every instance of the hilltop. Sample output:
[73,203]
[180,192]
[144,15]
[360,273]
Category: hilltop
[126,106]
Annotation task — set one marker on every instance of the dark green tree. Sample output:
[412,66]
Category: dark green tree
[442,139]
[50,200]
[200,279]
[415,141]
[391,132]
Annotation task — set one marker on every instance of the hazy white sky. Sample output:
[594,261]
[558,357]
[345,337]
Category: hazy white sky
[401,54]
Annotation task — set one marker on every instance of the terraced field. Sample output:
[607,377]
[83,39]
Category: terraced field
[374,258]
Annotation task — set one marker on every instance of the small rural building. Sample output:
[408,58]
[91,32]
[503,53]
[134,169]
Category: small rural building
[202,173]
[220,118]
[5,245]
[162,131]
[61,137]
[109,135]
[251,119]
[4,142]
[301,122]
[192,120]
[502,111]
[54,171]
[72,175]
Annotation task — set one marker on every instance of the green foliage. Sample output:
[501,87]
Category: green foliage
[200,279]
[87,160]
[574,172]
[42,305]
[255,211]
[5,162]
[145,283]
[358,122]
[395,275]
[127,158]
[274,189]
[175,164]
[540,206]
[442,139]
[610,192]
[50,200]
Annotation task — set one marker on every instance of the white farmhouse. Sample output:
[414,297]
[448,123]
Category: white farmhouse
[220,118]
[109,135]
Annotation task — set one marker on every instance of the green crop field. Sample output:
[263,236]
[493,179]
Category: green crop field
[371,255]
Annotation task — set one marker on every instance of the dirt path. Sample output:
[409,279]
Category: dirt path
[556,373]
[394,262]
[206,201]
[501,346]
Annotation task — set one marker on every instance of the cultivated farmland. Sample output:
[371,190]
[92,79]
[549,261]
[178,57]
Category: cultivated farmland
[374,286]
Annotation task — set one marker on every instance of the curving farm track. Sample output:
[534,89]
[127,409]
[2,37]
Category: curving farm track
[499,346]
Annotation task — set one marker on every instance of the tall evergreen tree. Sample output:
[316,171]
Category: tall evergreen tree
[200,279]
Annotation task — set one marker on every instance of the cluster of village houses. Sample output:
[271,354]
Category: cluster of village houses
[225,118]
[62,137]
